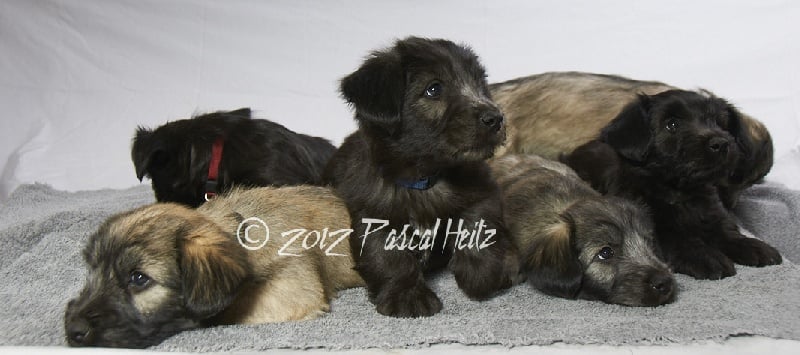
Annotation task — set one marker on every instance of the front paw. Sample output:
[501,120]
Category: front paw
[702,263]
[750,252]
[481,276]
[417,301]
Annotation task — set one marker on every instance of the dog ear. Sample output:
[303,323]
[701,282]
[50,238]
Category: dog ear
[243,112]
[213,266]
[738,128]
[376,90]
[596,163]
[629,133]
[552,265]
[147,152]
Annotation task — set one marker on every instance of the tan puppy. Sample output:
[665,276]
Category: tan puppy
[163,268]
[551,114]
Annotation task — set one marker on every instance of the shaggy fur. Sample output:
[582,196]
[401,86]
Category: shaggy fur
[164,268]
[669,150]
[176,156]
[576,243]
[551,114]
[424,115]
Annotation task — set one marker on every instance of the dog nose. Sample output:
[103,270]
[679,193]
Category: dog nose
[78,331]
[718,145]
[492,119]
[662,284]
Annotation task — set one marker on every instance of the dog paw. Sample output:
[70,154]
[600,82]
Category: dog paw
[417,301]
[751,252]
[703,263]
[482,277]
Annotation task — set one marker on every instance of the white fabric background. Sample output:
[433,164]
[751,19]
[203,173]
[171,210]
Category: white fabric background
[77,77]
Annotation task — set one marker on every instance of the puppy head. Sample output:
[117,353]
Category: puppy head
[679,135]
[601,249]
[153,272]
[426,98]
[175,156]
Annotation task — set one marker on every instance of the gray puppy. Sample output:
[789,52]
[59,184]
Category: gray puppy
[576,243]
[551,114]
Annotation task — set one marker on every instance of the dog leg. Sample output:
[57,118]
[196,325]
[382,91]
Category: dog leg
[743,250]
[693,257]
[490,265]
[394,278]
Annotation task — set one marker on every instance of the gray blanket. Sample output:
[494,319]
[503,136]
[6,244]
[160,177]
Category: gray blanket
[42,232]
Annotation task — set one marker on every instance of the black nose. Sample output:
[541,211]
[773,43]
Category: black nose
[662,284]
[492,119]
[718,145]
[78,331]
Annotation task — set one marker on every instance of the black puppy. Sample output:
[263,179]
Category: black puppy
[669,150]
[179,156]
[414,176]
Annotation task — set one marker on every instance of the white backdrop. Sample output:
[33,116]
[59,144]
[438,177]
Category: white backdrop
[77,77]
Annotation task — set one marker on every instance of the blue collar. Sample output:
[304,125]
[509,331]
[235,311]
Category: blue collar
[420,184]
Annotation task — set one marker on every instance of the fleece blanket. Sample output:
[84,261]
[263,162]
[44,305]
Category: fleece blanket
[43,230]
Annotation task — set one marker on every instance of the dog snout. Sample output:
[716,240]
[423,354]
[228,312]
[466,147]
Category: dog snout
[718,145]
[78,329]
[662,286]
[492,119]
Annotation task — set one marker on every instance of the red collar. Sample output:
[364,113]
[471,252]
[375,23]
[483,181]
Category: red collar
[213,168]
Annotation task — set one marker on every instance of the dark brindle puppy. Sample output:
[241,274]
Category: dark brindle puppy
[576,243]
[551,114]
[426,126]
[165,268]
[668,150]
[176,156]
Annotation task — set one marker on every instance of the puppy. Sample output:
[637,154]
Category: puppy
[417,164]
[179,156]
[165,268]
[551,114]
[576,243]
[669,150]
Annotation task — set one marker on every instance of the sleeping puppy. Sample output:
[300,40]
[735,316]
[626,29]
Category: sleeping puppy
[669,150]
[178,156]
[415,180]
[164,268]
[551,114]
[576,243]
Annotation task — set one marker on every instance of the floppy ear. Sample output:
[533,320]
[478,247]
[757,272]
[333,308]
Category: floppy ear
[213,266]
[552,266]
[376,90]
[243,112]
[596,163]
[199,160]
[629,133]
[737,127]
[146,152]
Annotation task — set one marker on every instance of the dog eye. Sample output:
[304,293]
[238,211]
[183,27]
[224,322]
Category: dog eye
[138,279]
[433,91]
[605,253]
[672,125]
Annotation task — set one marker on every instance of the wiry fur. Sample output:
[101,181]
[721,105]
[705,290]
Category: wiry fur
[405,135]
[560,225]
[176,155]
[551,114]
[669,150]
[200,275]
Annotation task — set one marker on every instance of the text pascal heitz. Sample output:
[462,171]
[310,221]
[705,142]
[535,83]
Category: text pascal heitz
[407,238]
